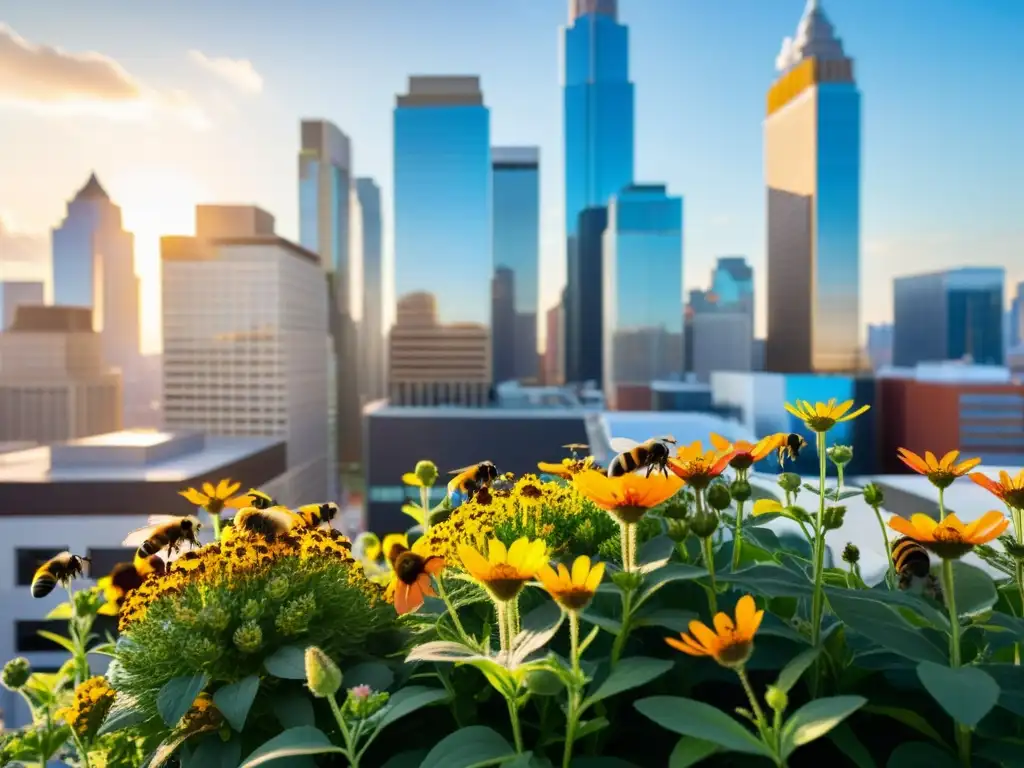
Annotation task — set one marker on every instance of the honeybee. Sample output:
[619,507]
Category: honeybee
[59,569]
[316,515]
[791,447]
[413,571]
[268,523]
[636,457]
[126,577]
[914,568]
[469,480]
[164,532]
[256,499]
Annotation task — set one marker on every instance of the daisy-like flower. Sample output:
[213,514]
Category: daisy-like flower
[940,472]
[412,571]
[573,590]
[729,643]
[745,454]
[567,468]
[1009,489]
[215,497]
[504,571]
[699,467]
[626,497]
[821,417]
[951,539]
[393,540]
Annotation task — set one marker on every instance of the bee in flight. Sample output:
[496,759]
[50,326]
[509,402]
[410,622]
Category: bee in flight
[636,457]
[469,480]
[268,523]
[59,569]
[791,447]
[914,568]
[164,532]
[317,515]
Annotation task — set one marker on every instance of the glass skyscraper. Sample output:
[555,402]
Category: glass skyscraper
[812,173]
[598,114]
[372,328]
[643,288]
[732,283]
[951,315]
[516,212]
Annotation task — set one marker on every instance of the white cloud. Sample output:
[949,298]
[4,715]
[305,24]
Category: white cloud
[18,248]
[240,73]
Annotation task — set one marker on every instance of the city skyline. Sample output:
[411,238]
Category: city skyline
[703,143]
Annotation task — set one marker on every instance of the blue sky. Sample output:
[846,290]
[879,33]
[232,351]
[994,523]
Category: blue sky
[943,114]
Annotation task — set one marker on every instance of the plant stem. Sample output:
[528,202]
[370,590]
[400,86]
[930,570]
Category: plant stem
[572,713]
[443,594]
[350,748]
[762,724]
[620,639]
[624,542]
[517,730]
[942,504]
[501,611]
[890,576]
[425,504]
[819,546]
[963,733]
[709,562]
[574,640]
[214,523]
[737,542]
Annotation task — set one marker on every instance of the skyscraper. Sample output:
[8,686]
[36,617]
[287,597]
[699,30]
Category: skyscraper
[812,173]
[732,283]
[588,352]
[598,117]
[372,327]
[325,182]
[950,315]
[442,220]
[719,330]
[643,288]
[516,243]
[15,293]
[1016,335]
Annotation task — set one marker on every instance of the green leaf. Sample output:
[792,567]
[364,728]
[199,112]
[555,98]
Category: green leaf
[415,511]
[442,650]
[816,718]
[61,612]
[690,751]
[910,719]
[476,746]
[702,721]
[630,673]
[591,726]
[235,699]
[375,674]
[919,754]
[975,590]
[303,740]
[214,752]
[292,709]
[124,713]
[846,741]
[287,663]
[60,640]
[539,626]
[794,670]
[769,580]
[177,696]
[883,625]
[665,575]
[967,694]
[655,553]
[669,618]
[408,700]
[406,759]
[608,625]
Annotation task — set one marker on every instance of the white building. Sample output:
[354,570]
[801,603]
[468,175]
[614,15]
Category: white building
[722,341]
[16,293]
[85,496]
[246,338]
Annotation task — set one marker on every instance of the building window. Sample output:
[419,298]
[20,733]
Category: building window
[28,640]
[1009,400]
[104,560]
[29,560]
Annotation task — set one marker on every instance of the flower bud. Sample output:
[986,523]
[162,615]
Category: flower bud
[841,455]
[248,638]
[676,510]
[16,673]
[704,523]
[789,482]
[718,496]
[252,610]
[740,490]
[322,675]
[216,617]
[426,473]
[627,582]
[873,495]
[87,602]
[296,614]
[851,554]
[277,588]
[363,702]
[833,517]
[678,529]
[776,698]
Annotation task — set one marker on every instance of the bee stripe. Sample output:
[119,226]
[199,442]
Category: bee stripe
[43,584]
[909,557]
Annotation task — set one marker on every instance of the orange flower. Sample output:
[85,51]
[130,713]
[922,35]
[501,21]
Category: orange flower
[746,454]
[627,497]
[940,472]
[567,468]
[1009,489]
[951,539]
[730,644]
[572,589]
[412,571]
[699,467]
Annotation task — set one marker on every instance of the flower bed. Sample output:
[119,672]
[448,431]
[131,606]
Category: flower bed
[564,619]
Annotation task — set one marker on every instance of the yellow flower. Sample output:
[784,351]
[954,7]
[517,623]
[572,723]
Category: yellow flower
[215,498]
[627,497]
[745,454]
[951,539]
[821,417]
[766,506]
[1009,489]
[572,590]
[940,472]
[504,571]
[92,701]
[699,467]
[729,643]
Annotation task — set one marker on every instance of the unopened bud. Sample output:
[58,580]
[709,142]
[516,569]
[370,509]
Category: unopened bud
[704,523]
[776,698]
[248,638]
[789,482]
[363,702]
[833,517]
[676,511]
[277,588]
[16,673]
[841,455]
[718,496]
[740,490]
[322,675]
[678,529]
[851,554]
[627,582]
[426,473]
[873,495]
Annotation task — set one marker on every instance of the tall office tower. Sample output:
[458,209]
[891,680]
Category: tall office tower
[1016,334]
[442,223]
[53,383]
[17,293]
[643,288]
[951,315]
[588,360]
[554,354]
[94,267]
[719,330]
[732,283]
[245,339]
[879,346]
[372,326]
[516,244]
[325,181]
[812,174]
[598,125]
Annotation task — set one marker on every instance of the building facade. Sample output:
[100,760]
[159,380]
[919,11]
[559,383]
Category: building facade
[588,337]
[1015,337]
[516,249]
[554,359]
[719,325]
[879,348]
[812,148]
[598,114]
[642,288]
[951,315]
[246,341]
[372,333]
[16,293]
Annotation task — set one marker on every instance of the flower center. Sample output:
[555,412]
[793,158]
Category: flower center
[1014,497]
[948,535]
[820,423]
[941,478]
[575,598]
[504,581]
[741,461]
[733,650]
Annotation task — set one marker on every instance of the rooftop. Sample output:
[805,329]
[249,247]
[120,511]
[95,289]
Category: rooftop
[949,372]
[815,38]
[51,319]
[92,190]
[579,8]
[442,91]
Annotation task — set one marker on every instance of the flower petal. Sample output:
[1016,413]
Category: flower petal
[517,552]
[912,460]
[703,635]
[745,609]
[924,524]
[209,490]
[474,563]
[723,624]
[904,527]
[766,506]
[720,443]
[855,414]
[838,411]
[580,570]
[496,551]
[687,648]
[594,578]
[409,478]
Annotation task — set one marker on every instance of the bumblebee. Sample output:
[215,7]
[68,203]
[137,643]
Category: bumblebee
[316,515]
[268,523]
[59,569]
[791,447]
[469,480]
[914,567]
[164,532]
[633,457]
[257,500]
[126,577]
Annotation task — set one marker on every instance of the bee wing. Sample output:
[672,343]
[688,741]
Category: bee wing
[139,535]
[666,439]
[463,469]
[155,520]
[623,444]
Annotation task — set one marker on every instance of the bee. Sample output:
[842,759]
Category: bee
[257,500]
[635,457]
[791,447]
[269,523]
[316,515]
[164,532]
[412,572]
[59,569]
[469,480]
[914,567]
[126,577]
